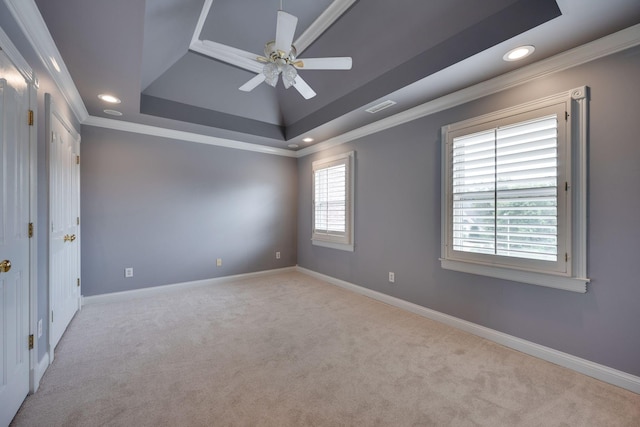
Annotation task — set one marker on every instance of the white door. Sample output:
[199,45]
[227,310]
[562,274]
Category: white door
[64,215]
[14,240]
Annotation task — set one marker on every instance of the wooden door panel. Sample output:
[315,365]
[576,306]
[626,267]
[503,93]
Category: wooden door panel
[14,240]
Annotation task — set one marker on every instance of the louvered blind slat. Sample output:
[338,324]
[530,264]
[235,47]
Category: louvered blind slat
[331,200]
[505,194]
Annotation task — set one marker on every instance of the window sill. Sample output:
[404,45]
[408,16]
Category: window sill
[333,245]
[573,284]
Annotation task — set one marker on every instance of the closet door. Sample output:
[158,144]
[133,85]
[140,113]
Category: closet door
[64,216]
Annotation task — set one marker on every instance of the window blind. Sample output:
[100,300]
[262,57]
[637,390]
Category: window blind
[505,191]
[331,200]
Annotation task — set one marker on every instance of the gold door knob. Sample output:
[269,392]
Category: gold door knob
[72,237]
[5,266]
[66,238]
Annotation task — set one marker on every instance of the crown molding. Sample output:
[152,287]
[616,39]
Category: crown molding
[602,47]
[30,20]
[184,136]
[326,19]
[16,58]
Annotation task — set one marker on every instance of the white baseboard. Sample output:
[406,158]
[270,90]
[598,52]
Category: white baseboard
[41,368]
[154,290]
[595,370]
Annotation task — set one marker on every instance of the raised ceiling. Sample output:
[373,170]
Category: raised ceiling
[139,51]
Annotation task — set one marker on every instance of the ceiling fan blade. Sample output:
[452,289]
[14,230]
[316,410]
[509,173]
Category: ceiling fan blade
[339,63]
[228,54]
[302,87]
[285,30]
[253,83]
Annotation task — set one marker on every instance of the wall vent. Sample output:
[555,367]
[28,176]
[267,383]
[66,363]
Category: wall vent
[379,107]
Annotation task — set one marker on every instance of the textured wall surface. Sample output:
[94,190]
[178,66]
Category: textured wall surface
[397,224]
[169,209]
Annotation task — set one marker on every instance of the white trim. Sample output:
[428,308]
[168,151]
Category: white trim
[155,290]
[30,20]
[573,284]
[201,19]
[345,242]
[16,58]
[583,366]
[33,241]
[326,19]
[230,54]
[579,134]
[32,24]
[574,102]
[607,45]
[40,369]
[333,245]
[184,136]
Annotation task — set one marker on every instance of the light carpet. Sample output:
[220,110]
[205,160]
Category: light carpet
[290,350]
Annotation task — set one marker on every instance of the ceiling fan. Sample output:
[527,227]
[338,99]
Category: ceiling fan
[280,56]
[280,59]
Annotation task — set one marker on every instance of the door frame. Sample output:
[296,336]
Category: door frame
[31,79]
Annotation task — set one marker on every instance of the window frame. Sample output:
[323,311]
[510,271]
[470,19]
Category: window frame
[569,271]
[344,241]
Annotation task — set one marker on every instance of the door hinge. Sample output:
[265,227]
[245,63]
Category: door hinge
[51,316]
[78,281]
[566,186]
[566,257]
[30,119]
[77,160]
[78,220]
[31,342]
[30,230]
[566,116]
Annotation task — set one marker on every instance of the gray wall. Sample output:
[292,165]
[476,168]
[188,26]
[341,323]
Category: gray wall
[170,208]
[47,85]
[397,224]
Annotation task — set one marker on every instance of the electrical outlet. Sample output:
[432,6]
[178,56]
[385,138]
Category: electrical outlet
[277,255]
[39,328]
[128,272]
[392,277]
[219,262]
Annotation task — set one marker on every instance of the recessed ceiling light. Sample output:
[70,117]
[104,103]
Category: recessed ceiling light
[109,98]
[518,53]
[293,145]
[307,140]
[113,112]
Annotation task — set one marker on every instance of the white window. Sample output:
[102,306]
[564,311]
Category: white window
[333,202]
[514,193]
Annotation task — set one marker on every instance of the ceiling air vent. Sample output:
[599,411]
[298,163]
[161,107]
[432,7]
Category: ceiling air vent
[379,107]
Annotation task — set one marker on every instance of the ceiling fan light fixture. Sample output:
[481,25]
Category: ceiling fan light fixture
[271,72]
[280,58]
[289,75]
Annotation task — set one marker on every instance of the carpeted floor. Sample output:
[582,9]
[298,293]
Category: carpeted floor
[289,350]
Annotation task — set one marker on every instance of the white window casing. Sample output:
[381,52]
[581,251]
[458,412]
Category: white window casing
[514,193]
[332,196]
